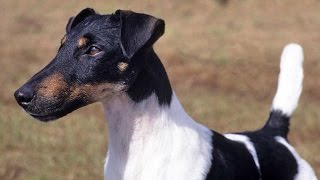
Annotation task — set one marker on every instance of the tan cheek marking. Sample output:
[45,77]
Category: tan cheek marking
[95,92]
[63,40]
[122,66]
[82,42]
[52,85]
[77,91]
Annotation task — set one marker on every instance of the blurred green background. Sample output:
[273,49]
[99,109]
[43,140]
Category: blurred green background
[222,58]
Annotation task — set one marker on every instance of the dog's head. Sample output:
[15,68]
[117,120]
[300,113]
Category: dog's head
[96,60]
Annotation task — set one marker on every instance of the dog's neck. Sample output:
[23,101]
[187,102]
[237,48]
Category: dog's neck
[151,141]
[150,135]
[152,78]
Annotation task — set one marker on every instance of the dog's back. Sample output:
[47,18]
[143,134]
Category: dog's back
[267,152]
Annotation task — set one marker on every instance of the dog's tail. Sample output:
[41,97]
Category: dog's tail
[288,92]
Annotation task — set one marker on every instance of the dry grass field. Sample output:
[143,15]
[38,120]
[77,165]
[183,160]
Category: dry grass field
[222,60]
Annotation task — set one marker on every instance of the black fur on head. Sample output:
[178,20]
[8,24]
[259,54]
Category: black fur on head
[73,21]
[100,56]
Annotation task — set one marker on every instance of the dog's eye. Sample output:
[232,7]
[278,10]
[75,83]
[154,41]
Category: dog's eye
[93,50]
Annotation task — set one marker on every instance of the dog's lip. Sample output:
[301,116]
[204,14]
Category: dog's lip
[51,116]
[47,114]
[44,118]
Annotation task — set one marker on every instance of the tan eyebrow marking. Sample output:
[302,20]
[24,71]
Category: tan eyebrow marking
[82,42]
[122,66]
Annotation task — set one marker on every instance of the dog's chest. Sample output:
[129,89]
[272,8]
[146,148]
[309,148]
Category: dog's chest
[177,155]
[161,144]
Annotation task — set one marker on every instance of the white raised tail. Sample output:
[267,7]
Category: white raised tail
[290,80]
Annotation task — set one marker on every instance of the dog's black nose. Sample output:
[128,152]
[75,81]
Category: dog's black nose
[24,96]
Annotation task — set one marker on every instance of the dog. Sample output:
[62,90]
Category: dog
[110,59]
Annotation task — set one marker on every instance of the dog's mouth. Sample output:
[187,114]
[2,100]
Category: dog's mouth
[48,116]
[47,113]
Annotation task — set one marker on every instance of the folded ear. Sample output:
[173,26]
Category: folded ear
[138,31]
[74,20]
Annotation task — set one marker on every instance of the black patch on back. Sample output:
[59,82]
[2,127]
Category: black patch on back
[231,160]
[276,161]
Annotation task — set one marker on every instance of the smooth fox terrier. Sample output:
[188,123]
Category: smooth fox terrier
[110,59]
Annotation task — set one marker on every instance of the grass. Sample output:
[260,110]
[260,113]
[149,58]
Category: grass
[222,61]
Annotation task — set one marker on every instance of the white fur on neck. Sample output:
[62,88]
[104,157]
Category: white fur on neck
[149,141]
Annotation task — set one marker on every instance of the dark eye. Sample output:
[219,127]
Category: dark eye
[93,50]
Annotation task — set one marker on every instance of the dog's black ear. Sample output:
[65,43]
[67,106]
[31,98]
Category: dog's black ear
[74,20]
[68,26]
[138,31]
